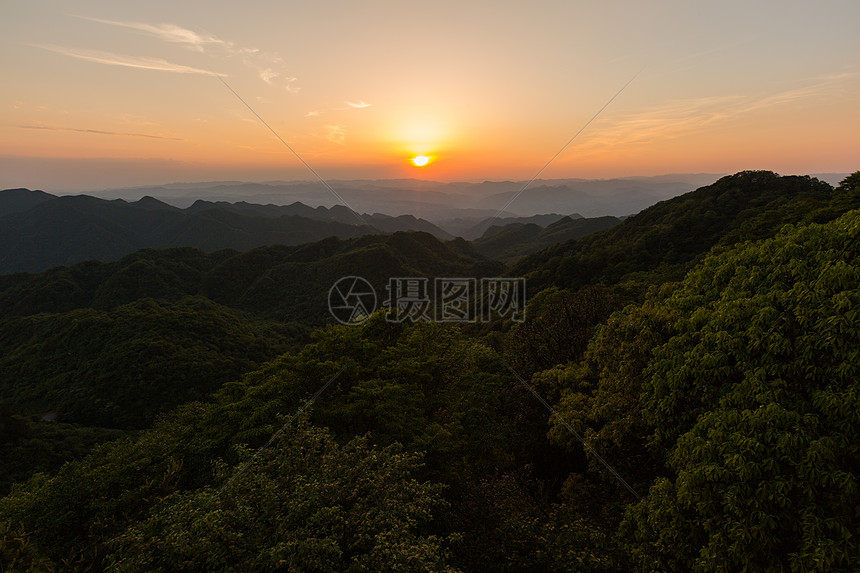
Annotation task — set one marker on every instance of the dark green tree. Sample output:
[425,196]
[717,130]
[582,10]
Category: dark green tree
[757,397]
[306,504]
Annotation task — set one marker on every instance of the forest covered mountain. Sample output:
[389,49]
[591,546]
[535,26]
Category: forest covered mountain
[39,231]
[516,239]
[667,237]
[212,416]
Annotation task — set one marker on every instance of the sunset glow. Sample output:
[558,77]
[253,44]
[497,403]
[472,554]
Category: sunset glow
[421,160]
[128,95]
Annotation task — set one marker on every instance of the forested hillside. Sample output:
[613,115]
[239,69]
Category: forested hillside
[77,363]
[39,231]
[513,240]
[702,359]
[112,345]
[668,236]
[285,283]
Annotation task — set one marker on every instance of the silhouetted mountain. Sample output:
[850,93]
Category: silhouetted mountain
[147,202]
[517,239]
[469,230]
[437,201]
[41,231]
[389,224]
[19,200]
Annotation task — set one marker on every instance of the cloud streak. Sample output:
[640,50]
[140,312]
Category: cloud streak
[682,117]
[99,132]
[111,59]
[268,75]
[211,45]
[177,35]
[349,105]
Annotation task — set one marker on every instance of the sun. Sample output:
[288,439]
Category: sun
[421,160]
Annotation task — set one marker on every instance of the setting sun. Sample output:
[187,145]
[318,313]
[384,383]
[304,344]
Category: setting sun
[421,160]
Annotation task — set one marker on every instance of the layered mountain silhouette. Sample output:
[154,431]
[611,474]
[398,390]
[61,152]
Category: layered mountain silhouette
[517,239]
[442,202]
[39,231]
[19,200]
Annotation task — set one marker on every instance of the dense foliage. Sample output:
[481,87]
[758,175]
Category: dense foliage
[278,282]
[734,397]
[76,364]
[708,423]
[308,504]
[664,239]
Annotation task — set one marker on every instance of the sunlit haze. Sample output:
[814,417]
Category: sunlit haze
[98,94]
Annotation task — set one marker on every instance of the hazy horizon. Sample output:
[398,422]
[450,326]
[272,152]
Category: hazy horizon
[439,202]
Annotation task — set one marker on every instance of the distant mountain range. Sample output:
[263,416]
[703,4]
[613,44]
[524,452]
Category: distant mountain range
[439,202]
[39,230]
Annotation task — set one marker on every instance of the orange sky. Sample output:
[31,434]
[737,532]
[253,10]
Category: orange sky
[100,94]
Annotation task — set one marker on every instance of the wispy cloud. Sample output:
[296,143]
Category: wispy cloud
[681,117]
[178,35]
[111,59]
[349,105]
[287,82]
[336,133]
[210,44]
[99,132]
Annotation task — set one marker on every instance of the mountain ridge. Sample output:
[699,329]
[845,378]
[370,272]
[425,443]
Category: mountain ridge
[39,231]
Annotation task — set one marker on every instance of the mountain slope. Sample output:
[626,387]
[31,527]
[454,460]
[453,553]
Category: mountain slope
[19,200]
[40,231]
[280,281]
[112,344]
[120,368]
[669,235]
[337,213]
[519,239]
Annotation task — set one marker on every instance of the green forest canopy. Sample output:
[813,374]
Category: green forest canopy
[728,400]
